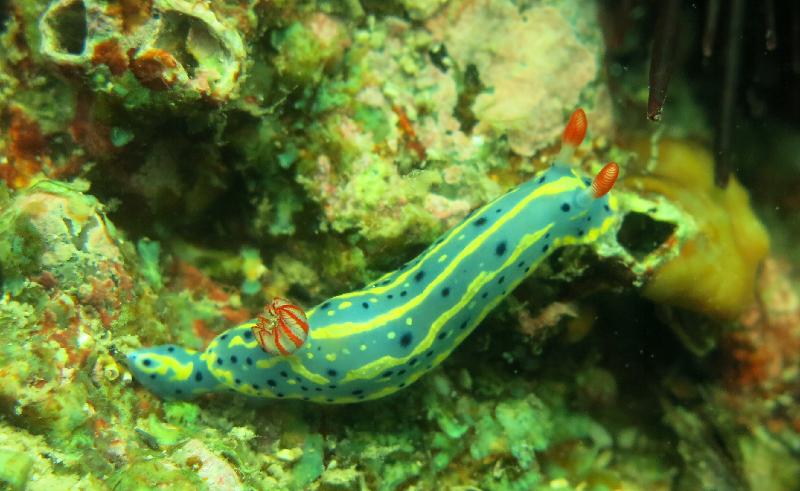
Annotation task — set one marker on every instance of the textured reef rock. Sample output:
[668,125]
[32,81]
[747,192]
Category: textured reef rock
[179,45]
[168,166]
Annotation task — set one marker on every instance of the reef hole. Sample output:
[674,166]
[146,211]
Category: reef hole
[190,41]
[640,234]
[5,15]
[70,27]
[469,87]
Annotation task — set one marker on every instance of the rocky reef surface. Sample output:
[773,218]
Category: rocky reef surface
[169,166]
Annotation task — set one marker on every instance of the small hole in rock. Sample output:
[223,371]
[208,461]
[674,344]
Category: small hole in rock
[640,234]
[69,25]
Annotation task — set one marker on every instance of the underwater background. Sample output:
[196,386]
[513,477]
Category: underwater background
[168,168]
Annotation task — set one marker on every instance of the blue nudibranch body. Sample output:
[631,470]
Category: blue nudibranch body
[372,342]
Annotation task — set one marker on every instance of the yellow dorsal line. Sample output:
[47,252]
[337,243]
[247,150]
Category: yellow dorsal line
[349,328]
[375,368]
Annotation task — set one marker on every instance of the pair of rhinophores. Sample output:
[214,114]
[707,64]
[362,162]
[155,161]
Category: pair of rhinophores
[372,342]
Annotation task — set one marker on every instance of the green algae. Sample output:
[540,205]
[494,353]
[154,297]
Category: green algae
[15,469]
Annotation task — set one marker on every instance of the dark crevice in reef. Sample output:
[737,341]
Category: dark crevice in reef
[70,27]
[5,15]
[470,86]
[640,234]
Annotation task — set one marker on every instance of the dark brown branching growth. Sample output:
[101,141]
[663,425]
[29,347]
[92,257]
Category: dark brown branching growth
[662,57]
[730,85]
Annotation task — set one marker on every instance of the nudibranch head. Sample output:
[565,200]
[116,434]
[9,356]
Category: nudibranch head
[282,328]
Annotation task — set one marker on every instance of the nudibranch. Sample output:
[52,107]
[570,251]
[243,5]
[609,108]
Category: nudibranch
[372,342]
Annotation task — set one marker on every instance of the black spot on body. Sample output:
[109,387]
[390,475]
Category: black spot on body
[463,325]
[541,180]
[403,293]
[237,381]
[332,372]
[429,354]
[545,247]
[147,363]
[219,361]
[171,349]
[318,389]
[248,334]
[445,292]
[178,391]
[284,374]
[484,294]
[480,221]
[501,280]
[279,394]
[271,383]
[401,372]
[223,337]
[412,362]
[390,296]
[387,373]
[498,210]
[331,386]
[255,387]
[605,207]
[152,376]
[329,399]
[419,276]
[358,392]
[234,359]
[441,335]
[304,388]
[565,207]
[365,305]
[325,305]
[198,376]
[580,232]
[248,360]
[405,339]
[500,249]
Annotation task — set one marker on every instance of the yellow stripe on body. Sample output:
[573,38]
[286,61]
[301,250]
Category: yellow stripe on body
[406,274]
[297,366]
[345,329]
[373,369]
[182,371]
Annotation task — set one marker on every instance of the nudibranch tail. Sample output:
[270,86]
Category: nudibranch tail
[172,372]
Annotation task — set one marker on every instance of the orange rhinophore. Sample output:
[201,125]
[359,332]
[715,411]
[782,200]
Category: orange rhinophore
[605,179]
[575,131]
[282,328]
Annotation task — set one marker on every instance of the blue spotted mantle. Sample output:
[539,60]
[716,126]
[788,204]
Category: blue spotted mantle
[372,342]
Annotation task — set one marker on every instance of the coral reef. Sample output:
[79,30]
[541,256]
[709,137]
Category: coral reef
[167,167]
